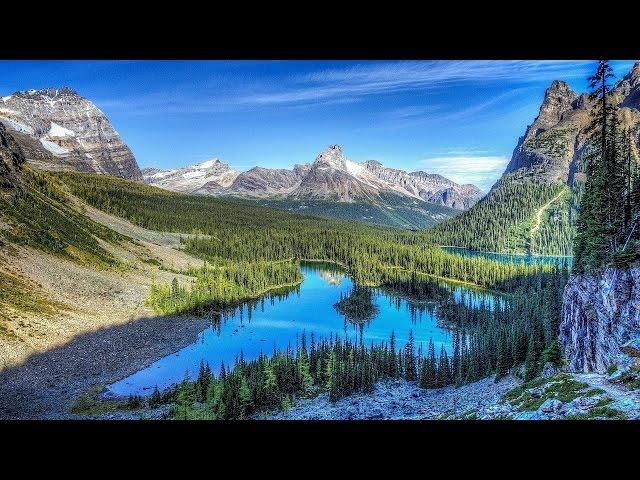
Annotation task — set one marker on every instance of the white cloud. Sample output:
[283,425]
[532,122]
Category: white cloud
[482,171]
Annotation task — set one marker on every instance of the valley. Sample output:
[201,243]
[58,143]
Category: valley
[332,290]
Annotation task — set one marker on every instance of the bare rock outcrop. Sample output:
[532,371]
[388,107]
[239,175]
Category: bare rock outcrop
[601,320]
[62,130]
[11,159]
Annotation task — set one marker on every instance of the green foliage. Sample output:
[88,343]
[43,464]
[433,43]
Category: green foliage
[493,339]
[553,142]
[275,382]
[552,354]
[394,212]
[560,387]
[222,285]
[502,221]
[592,392]
[17,296]
[244,233]
[41,216]
[608,224]
[87,403]
[358,306]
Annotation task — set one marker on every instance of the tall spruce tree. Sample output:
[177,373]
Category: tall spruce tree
[411,373]
[605,204]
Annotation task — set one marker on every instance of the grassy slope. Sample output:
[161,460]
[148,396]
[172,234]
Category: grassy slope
[38,215]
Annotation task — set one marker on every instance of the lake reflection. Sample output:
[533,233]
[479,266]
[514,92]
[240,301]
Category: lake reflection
[279,320]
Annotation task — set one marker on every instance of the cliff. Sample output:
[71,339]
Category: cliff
[601,320]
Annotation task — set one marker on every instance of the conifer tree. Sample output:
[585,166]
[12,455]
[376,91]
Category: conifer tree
[411,373]
[531,362]
[502,359]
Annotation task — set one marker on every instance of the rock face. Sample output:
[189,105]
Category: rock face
[265,182]
[601,320]
[61,130]
[208,177]
[550,151]
[11,159]
[430,187]
[331,176]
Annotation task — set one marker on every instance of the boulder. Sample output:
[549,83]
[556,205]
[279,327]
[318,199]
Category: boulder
[550,405]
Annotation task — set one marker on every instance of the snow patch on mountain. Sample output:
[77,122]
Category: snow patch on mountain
[53,147]
[20,127]
[59,131]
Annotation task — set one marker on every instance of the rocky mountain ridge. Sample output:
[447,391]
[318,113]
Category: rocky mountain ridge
[331,176]
[551,149]
[60,130]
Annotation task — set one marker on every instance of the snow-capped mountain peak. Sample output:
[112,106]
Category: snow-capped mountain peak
[330,176]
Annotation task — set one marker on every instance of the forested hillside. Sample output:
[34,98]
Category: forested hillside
[533,208]
[505,221]
[228,231]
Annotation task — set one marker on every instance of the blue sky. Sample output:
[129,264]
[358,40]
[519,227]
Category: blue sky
[461,119]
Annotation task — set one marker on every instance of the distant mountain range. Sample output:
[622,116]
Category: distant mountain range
[331,176]
[59,130]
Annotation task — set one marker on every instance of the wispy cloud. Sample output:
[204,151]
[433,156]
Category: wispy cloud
[426,114]
[388,77]
[394,74]
[344,85]
[481,170]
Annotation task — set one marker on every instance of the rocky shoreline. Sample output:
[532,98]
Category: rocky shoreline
[402,400]
[556,397]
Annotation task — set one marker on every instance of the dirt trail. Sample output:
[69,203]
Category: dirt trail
[539,214]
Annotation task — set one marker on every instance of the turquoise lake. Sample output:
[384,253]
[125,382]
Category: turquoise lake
[511,258]
[280,319]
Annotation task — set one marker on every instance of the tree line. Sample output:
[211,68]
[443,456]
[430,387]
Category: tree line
[489,337]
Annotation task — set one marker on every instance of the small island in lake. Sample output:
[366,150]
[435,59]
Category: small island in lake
[358,306]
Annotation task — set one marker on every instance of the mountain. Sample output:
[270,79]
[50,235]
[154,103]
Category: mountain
[331,176]
[11,159]
[533,206]
[60,130]
[331,185]
[430,187]
[207,177]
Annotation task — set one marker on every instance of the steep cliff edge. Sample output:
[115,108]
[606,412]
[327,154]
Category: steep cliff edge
[601,321]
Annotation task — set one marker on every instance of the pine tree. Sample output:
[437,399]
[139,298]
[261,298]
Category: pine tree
[531,363]
[502,359]
[552,354]
[393,365]
[244,397]
[411,373]
[602,206]
[443,375]
[332,376]
[430,370]
[455,357]
[155,398]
